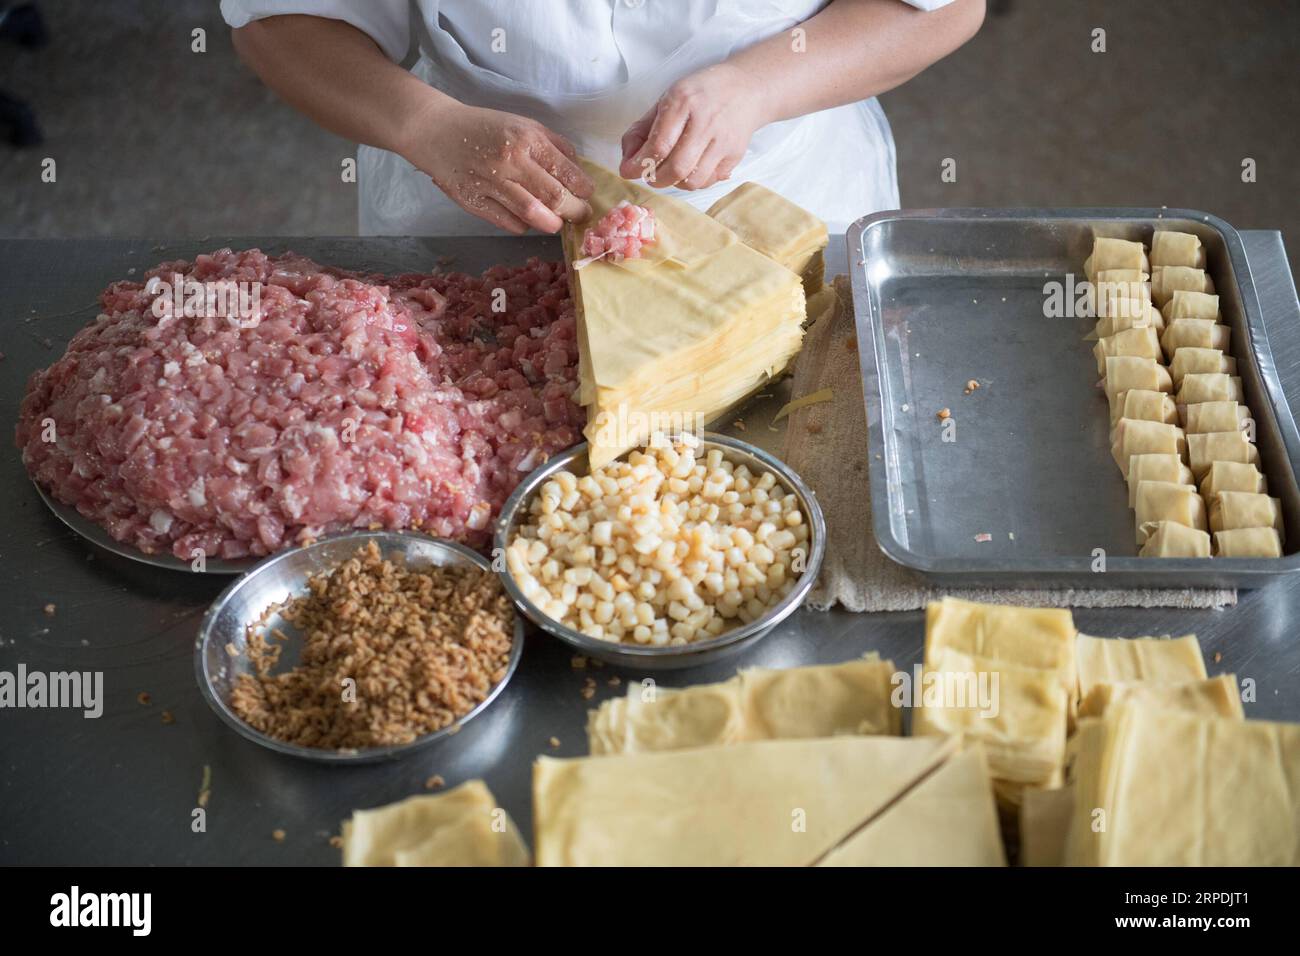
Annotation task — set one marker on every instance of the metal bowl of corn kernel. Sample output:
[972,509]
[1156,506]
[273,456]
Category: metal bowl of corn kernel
[517,514]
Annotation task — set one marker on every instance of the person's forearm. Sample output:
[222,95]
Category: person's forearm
[338,76]
[852,50]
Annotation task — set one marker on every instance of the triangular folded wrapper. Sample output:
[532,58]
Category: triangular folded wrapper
[764,803]
[681,334]
[948,819]
[462,827]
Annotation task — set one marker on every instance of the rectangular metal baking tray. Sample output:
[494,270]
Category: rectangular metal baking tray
[943,296]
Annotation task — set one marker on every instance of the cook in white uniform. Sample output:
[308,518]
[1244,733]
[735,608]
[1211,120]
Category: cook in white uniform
[695,96]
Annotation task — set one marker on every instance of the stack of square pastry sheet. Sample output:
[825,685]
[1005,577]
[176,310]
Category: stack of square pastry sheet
[1163,769]
[1096,750]
[704,318]
[1177,411]
[1003,676]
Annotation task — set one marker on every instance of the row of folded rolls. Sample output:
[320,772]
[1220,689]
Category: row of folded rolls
[1028,739]
[1181,432]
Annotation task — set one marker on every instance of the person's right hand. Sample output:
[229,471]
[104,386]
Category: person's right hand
[509,170]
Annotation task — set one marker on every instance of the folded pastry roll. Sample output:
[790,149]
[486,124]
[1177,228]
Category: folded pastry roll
[1248,543]
[1194,361]
[1114,285]
[1122,314]
[1231,510]
[1232,476]
[1198,387]
[1169,539]
[1110,253]
[1136,437]
[1169,248]
[1215,417]
[1166,280]
[1196,334]
[1159,501]
[1168,467]
[1204,450]
[1191,305]
[1125,275]
[1127,372]
[1145,405]
[1140,342]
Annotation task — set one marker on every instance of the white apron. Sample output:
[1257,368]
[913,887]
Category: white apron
[838,164]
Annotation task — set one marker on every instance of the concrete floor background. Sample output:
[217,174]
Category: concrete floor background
[153,140]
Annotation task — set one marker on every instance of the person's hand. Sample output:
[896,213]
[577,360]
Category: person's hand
[698,131]
[506,169]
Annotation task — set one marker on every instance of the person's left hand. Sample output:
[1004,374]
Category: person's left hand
[698,131]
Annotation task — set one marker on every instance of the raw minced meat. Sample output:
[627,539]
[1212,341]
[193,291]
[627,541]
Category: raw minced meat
[345,400]
[621,233]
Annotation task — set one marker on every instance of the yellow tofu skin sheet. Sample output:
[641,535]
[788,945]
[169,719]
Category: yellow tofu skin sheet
[688,330]
[764,803]
[462,827]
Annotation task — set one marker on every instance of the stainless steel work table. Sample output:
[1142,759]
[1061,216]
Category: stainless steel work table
[122,788]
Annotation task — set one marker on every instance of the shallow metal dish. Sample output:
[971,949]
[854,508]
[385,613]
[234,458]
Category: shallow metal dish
[285,574]
[941,296]
[645,657]
[97,536]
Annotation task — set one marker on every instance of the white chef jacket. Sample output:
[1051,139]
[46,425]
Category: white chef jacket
[588,69]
